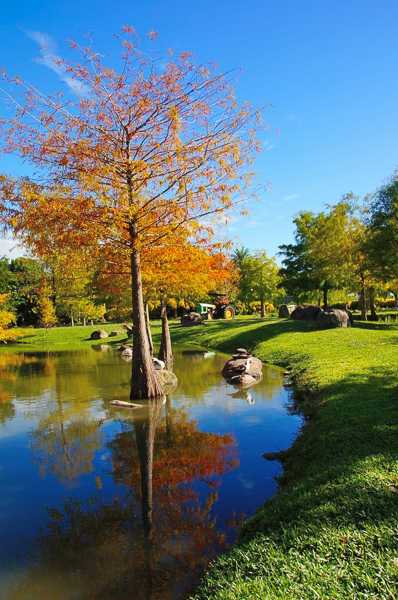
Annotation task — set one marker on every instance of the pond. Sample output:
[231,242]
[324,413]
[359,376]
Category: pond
[99,502]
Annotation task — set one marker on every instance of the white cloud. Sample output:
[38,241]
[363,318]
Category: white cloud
[10,248]
[50,59]
[253,223]
[245,483]
[291,197]
[270,147]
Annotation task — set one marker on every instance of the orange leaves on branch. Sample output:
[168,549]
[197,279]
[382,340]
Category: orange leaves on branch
[152,35]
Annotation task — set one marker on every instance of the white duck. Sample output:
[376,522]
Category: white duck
[158,364]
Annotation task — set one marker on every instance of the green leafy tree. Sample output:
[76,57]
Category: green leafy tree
[7,278]
[298,275]
[258,278]
[28,277]
[382,224]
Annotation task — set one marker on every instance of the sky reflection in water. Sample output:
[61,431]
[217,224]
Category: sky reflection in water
[98,502]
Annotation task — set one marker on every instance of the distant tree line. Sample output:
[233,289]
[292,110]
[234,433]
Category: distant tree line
[348,248]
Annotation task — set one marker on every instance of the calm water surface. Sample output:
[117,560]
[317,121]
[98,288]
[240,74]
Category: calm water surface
[98,503]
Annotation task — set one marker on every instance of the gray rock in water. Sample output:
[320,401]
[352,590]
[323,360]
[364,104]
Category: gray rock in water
[243,371]
[331,318]
[306,312]
[127,354]
[167,379]
[191,319]
[124,346]
[244,381]
[98,334]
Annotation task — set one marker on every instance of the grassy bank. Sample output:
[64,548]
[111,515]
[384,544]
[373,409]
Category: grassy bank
[64,338]
[332,530]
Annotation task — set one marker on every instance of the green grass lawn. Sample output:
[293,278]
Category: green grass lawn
[331,532]
[59,338]
[332,529]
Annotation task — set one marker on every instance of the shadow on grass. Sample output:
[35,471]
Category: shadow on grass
[254,332]
[376,326]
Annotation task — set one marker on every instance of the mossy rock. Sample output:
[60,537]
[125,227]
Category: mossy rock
[167,379]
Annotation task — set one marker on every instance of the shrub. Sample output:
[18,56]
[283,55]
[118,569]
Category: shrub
[385,302]
[254,308]
[7,319]
[240,308]
[269,308]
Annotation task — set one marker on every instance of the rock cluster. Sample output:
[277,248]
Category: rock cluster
[306,312]
[191,319]
[286,310]
[243,369]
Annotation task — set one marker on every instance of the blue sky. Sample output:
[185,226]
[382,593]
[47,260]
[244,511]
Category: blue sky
[329,68]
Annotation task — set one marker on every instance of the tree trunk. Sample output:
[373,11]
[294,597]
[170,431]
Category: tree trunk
[84,321]
[364,315]
[145,430]
[262,304]
[144,382]
[72,320]
[373,314]
[325,295]
[169,423]
[54,287]
[148,328]
[165,351]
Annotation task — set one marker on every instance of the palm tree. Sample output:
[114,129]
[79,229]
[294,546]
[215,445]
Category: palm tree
[240,256]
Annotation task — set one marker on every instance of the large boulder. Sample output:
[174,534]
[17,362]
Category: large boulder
[243,369]
[331,318]
[99,334]
[116,333]
[286,310]
[306,312]
[191,319]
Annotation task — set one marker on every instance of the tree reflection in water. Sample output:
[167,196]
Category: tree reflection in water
[65,442]
[153,539]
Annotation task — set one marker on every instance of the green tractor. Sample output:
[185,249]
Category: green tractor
[221,309]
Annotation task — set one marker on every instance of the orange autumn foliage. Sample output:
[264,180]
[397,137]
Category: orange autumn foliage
[133,159]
